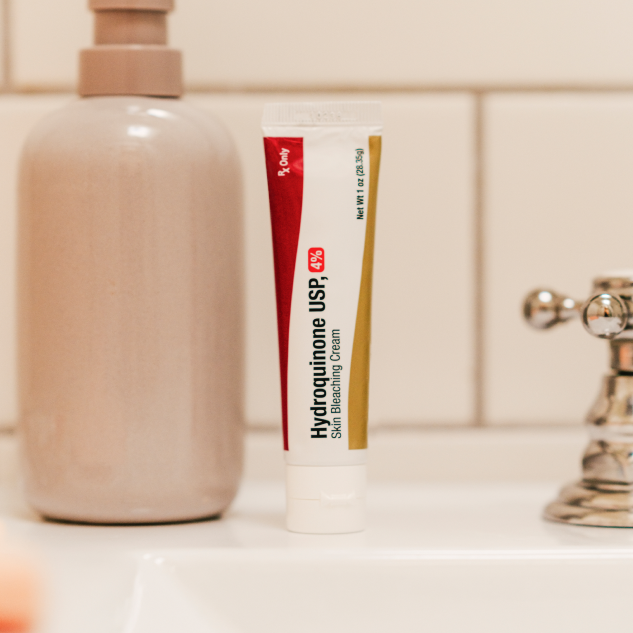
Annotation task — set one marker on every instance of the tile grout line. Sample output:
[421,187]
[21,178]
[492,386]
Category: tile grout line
[7,74]
[479,361]
[221,90]
[410,89]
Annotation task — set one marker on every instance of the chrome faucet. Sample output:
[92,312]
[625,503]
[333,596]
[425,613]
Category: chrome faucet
[604,495]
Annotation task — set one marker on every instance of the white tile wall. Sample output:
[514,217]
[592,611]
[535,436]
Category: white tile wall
[46,37]
[559,190]
[441,455]
[423,336]
[284,43]
[405,42]
[556,198]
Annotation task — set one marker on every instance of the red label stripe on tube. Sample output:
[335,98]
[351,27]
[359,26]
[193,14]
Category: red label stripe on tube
[284,166]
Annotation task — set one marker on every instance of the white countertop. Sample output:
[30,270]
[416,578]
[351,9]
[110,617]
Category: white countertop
[436,557]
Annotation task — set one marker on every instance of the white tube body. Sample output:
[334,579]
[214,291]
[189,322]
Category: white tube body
[322,164]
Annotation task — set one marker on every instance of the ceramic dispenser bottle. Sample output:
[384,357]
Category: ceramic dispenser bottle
[130,290]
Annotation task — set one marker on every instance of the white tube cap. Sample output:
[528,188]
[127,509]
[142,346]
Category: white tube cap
[325,499]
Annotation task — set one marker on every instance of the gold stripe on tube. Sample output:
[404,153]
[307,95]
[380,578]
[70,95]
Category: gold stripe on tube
[359,370]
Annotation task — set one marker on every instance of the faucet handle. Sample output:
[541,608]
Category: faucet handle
[545,308]
[605,315]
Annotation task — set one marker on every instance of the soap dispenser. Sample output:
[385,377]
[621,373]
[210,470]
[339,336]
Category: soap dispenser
[130,295]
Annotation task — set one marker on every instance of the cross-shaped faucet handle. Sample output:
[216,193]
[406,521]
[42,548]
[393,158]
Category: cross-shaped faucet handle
[606,314]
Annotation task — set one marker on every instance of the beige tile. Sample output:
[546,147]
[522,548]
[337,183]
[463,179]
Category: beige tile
[345,43]
[17,117]
[422,339]
[436,455]
[46,38]
[405,42]
[560,206]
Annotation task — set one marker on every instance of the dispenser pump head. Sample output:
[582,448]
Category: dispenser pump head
[130,56]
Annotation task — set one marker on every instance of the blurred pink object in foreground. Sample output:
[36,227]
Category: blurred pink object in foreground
[19,590]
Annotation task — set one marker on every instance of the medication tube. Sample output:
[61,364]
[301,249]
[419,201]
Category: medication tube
[322,162]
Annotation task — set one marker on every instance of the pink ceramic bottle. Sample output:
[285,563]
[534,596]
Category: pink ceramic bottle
[130,290]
